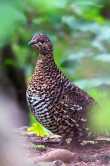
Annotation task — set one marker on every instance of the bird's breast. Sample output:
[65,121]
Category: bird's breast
[41,107]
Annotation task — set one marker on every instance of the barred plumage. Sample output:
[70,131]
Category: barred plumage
[56,103]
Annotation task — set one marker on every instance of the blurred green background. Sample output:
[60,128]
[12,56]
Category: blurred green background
[80,32]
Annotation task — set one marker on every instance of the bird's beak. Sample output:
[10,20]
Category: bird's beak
[31,42]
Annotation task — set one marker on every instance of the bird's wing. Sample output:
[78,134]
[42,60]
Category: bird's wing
[76,95]
[75,100]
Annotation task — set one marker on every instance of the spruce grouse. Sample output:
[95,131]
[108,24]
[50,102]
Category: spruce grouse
[56,103]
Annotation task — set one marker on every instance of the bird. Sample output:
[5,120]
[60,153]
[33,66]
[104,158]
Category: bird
[59,105]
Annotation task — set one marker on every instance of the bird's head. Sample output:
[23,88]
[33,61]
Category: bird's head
[41,43]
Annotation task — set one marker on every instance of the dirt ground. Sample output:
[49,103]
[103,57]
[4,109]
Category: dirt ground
[48,151]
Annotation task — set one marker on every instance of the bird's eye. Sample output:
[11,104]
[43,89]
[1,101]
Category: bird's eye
[40,43]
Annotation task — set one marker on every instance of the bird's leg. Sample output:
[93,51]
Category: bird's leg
[63,141]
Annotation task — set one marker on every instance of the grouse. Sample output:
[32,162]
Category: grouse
[56,103]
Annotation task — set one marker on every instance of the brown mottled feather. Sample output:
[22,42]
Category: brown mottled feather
[56,103]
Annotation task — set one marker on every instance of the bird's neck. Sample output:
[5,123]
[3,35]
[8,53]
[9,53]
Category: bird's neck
[45,63]
[45,70]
